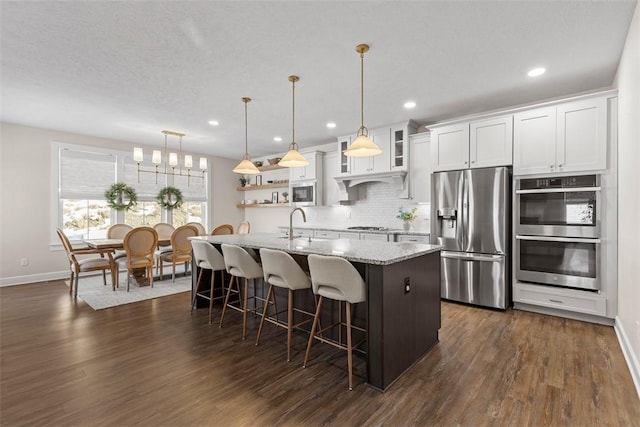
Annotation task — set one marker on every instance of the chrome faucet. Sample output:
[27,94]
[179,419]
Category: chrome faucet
[304,218]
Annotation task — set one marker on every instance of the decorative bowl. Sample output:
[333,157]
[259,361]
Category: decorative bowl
[274,161]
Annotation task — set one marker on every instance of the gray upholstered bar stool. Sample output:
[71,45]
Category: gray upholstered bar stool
[239,264]
[206,257]
[335,278]
[282,271]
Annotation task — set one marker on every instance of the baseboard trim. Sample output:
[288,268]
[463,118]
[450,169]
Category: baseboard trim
[629,356]
[584,317]
[32,278]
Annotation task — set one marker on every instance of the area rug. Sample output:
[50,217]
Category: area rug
[93,291]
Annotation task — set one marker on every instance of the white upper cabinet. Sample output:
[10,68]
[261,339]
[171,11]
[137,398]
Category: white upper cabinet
[378,163]
[420,167]
[476,144]
[570,137]
[332,193]
[534,141]
[450,147]
[393,140]
[491,142]
[345,161]
[313,171]
[582,135]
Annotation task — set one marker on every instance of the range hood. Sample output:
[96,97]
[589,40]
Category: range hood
[395,178]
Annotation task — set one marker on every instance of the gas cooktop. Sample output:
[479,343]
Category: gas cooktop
[368,228]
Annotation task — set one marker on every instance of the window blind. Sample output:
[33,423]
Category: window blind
[85,175]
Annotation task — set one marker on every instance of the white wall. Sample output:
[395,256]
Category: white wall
[628,83]
[25,197]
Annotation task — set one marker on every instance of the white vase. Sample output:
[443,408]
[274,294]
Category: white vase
[406,225]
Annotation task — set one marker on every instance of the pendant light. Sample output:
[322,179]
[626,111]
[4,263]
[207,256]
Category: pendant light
[363,146]
[246,166]
[293,158]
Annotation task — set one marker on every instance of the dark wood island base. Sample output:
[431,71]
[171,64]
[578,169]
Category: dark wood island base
[402,312]
[402,323]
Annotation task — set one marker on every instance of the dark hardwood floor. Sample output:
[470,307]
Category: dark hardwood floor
[151,363]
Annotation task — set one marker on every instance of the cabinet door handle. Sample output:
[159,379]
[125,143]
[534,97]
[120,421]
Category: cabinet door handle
[560,166]
[556,301]
[551,167]
[465,162]
[473,161]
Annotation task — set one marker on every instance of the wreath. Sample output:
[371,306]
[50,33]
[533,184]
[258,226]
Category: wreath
[170,198]
[121,197]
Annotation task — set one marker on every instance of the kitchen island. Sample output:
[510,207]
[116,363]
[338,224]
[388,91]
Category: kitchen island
[403,294]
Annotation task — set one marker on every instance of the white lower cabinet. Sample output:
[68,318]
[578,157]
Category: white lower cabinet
[326,234]
[374,236]
[559,298]
[415,238]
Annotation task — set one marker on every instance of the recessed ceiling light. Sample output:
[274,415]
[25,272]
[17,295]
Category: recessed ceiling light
[331,125]
[213,122]
[277,139]
[536,72]
[409,104]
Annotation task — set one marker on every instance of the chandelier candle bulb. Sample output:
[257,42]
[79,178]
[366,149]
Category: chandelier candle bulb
[203,164]
[173,159]
[188,161]
[138,156]
[157,157]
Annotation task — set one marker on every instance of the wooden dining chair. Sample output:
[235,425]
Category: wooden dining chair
[79,265]
[140,244]
[222,229]
[201,230]
[244,227]
[164,230]
[118,231]
[181,252]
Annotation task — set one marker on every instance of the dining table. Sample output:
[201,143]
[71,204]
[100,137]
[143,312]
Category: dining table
[116,244]
[119,243]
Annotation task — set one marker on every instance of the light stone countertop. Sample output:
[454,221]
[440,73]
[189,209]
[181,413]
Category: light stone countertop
[368,252]
[344,229]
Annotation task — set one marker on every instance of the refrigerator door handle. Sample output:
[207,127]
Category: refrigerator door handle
[472,257]
[463,219]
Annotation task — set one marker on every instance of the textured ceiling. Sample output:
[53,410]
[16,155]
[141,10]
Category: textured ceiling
[127,70]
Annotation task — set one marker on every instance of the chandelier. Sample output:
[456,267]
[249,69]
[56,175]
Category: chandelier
[171,161]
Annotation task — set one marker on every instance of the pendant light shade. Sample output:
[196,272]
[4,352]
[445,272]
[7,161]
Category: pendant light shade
[363,146]
[246,166]
[293,158]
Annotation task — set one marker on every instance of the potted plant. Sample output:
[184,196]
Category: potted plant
[407,217]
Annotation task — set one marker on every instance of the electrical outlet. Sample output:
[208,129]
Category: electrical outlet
[24,262]
[407,285]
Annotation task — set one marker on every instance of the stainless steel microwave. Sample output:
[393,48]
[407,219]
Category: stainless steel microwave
[304,194]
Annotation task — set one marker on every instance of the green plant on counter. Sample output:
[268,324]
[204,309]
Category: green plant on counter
[407,215]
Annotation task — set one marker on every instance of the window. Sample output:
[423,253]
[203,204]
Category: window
[81,174]
[84,176]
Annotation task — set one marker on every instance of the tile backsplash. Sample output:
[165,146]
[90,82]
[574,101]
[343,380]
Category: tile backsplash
[377,205]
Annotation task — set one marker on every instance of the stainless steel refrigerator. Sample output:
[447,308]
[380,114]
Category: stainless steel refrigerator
[471,218]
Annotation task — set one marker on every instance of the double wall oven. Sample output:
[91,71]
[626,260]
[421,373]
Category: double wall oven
[558,231]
